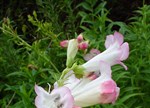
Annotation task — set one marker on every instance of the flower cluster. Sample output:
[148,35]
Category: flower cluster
[95,84]
[82,45]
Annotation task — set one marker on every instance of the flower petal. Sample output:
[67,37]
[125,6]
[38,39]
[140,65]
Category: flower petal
[118,37]
[109,92]
[65,95]
[125,51]
[39,90]
[58,97]
[122,64]
[109,41]
[43,98]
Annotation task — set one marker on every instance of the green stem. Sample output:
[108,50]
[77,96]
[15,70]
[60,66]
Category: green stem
[26,44]
[52,64]
[65,71]
[13,34]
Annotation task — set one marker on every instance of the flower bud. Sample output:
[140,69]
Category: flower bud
[83,45]
[71,52]
[64,43]
[80,38]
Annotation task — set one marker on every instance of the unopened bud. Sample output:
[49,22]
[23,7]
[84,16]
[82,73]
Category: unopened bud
[64,43]
[80,38]
[71,52]
[83,45]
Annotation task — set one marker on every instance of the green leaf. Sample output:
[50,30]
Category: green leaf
[86,6]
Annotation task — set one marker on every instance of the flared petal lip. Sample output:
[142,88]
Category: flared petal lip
[109,41]
[42,95]
[66,96]
[38,102]
[125,51]
[118,37]
[40,91]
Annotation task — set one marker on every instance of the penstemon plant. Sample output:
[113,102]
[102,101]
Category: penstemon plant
[87,84]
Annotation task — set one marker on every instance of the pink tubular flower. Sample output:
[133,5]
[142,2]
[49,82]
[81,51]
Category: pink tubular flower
[58,98]
[116,51]
[64,43]
[101,90]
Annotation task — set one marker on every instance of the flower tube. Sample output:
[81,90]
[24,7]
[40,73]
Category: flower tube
[116,51]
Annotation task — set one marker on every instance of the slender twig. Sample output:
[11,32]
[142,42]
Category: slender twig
[13,34]
[11,100]
[52,64]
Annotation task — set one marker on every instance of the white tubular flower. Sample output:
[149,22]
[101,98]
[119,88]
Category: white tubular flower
[71,51]
[58,98]
[101,90]
[116,51]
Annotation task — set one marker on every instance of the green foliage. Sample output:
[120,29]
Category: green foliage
[28,64]
[139,37]
[94,19]
[61,13]
[38,58]
[95,22]
[134,83]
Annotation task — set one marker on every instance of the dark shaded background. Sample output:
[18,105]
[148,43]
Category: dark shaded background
[18,10]
[120,10]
